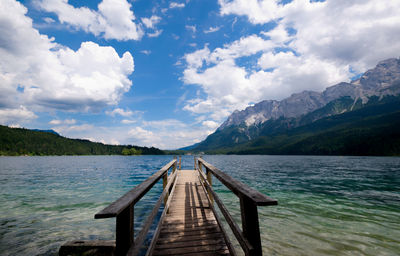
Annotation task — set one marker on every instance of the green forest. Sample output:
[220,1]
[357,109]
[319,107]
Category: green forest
[20,141]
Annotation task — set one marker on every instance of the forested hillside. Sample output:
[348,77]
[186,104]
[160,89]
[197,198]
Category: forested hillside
[18,141]
[370,130]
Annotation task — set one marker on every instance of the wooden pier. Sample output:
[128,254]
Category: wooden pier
[189,224]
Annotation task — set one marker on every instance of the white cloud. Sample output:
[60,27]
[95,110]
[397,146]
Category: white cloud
[59,122]
[173,5]
[169,133]
[127,121]
[359,33]
[155,33]
[314,45]
[278,35]
[113,20]
[210,124]
[142,136]
[257,11]
[15,116]
[121,112]
[151,22]
[49,20]
[53,76]
[211,30]
[147,52]
[66,129]
[191,28]
[166,123]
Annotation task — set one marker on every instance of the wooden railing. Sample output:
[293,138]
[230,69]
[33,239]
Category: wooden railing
[249,237]
[123,210]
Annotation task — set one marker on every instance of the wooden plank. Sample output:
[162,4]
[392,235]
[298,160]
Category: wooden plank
[239,188]
[170,239]
[196,249]
[94,247]
[165,211]
[191,231]
[133,250]
[190,226]
[133,195]
[214,253]
[179,220]
[241,238]
[190,243]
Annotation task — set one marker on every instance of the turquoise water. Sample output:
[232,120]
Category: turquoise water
[327,205]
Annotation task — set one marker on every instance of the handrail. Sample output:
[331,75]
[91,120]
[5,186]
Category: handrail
[239,188]
[123,209]
[244,243]
[249,239]
[134,195]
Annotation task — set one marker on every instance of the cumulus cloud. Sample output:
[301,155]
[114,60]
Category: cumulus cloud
[70,130]
[191,28]
[59,122]
[359,33]
[128,121]
[173,5]
[158,133]
[48,76]
[113,20]
[155,33]
[151,22]
[210,124]
[313,45]
[121,112]
[146,52]
[15,116]
[211,30]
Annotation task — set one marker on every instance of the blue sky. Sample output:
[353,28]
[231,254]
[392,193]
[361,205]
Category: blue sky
[168,73]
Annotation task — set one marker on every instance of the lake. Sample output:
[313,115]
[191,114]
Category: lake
[327,205]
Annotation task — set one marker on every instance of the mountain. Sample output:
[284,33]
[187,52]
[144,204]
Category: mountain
[49,131]
[278,118]
[383,80]
[18,141]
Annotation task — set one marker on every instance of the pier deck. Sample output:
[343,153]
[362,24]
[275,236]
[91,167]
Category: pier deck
[190,225]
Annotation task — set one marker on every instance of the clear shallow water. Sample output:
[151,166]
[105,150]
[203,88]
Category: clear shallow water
[327,205]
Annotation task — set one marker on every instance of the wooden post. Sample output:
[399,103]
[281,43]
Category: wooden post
[250,225]
[124,231]
[165,182]
[174,168]
[209,180]
[180,162]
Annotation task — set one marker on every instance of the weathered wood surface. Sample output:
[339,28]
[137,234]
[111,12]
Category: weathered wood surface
[134,195]
[88,248]
[250,237]
[190,226]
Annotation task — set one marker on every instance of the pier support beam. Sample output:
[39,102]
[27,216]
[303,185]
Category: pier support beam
[250,224]
[124,231]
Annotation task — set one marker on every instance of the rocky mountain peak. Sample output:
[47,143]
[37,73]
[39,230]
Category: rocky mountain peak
[377,81]
[383,75]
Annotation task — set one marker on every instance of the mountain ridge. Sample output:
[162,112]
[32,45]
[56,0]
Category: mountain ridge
[273,118]
[376,81]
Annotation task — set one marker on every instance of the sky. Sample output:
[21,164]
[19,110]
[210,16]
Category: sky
[168,73]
